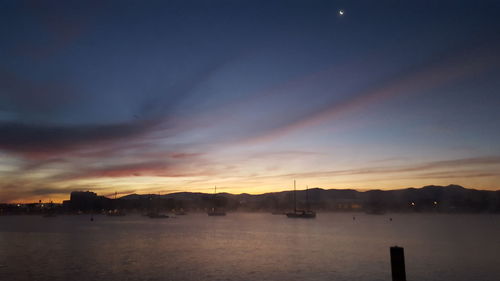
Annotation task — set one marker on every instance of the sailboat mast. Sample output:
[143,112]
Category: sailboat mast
[294,197]
[215,199]
[307,198]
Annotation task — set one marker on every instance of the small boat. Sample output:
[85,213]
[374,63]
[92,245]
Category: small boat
[179,212]
[154,212]
[50,211]
[304,214]
[215,211]
[115,213]
[157,216]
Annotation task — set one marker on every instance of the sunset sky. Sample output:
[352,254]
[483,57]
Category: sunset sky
[167,96]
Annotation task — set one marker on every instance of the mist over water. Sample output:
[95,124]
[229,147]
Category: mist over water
[248,246]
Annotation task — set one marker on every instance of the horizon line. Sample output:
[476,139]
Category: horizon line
[256,194]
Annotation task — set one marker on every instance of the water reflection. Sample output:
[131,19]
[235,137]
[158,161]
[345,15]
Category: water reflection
[248,247]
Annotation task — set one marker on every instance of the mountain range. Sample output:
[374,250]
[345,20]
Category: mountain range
[451,198]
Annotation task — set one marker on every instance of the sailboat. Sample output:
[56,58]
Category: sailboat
[154,213]
[304,214]
[50,213]
[214,211]
[115,212]
[180,212]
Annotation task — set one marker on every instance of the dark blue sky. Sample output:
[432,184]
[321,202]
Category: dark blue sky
[179,95]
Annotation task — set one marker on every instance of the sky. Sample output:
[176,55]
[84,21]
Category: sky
[168,96]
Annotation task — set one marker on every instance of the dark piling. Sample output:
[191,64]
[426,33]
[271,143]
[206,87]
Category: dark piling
[398,264]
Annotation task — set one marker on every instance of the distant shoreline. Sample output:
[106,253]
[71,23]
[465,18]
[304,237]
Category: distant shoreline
[433,199]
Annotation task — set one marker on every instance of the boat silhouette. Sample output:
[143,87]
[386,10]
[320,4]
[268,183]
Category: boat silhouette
[154,212]
[155,215]
[50,213]
[300,214]
[115,212]
[214,211]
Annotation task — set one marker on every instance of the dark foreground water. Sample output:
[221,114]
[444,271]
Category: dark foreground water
[249,247]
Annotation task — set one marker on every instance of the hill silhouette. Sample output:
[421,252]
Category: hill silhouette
[451,198]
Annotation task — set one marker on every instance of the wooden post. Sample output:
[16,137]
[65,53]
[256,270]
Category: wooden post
[398,264]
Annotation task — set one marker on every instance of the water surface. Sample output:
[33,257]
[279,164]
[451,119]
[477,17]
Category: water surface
[244,246]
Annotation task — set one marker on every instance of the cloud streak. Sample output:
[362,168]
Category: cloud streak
[33,140]
[475,162]
[460,65]
[152,169]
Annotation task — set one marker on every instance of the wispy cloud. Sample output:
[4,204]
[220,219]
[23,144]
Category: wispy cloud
[157,169]
[436,73]
[475,162]
[33,140]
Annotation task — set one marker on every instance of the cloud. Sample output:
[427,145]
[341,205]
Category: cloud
[174,167]
[33,139]
[185,155]
[478,173]
[476,162]
[29,191]
[33,116]
[435,73]
[18,188]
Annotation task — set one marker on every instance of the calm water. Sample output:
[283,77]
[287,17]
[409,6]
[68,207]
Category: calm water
[249,247]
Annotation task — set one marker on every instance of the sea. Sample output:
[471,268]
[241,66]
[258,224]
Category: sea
[249,246]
